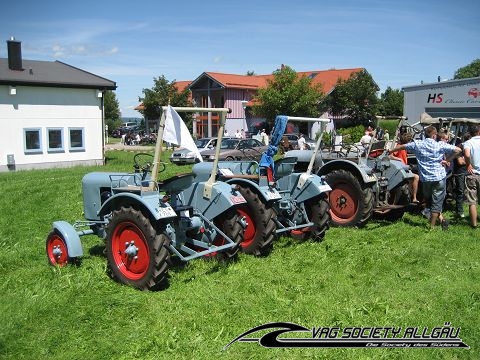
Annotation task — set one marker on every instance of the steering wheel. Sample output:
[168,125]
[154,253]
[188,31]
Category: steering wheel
[143,163]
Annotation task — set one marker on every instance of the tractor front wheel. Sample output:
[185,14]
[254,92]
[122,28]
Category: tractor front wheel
[137,253]
[260,231]
[350,203]
[57,251]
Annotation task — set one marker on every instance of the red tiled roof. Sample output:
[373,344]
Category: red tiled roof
[327,78]
[182,85]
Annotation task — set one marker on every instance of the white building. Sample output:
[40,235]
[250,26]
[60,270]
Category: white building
[51,113]
[453,98]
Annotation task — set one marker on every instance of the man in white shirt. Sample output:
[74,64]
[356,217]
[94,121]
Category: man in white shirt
[301,142]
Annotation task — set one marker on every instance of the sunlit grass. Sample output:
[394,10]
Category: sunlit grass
[382,275]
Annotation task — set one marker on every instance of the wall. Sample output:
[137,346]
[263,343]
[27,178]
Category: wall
[43,107]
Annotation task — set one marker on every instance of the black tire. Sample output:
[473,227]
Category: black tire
[148,269]
[318,212]
[229,158]
[398,196]
[260,231]
[229,223]
[351,204]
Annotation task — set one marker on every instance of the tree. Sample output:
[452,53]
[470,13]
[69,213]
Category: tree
[391,102]
[161,94]
[288,94]
[354,99]
[112,110]
[469,71]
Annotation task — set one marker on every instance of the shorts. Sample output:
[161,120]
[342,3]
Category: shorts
[472,189]
[434,192]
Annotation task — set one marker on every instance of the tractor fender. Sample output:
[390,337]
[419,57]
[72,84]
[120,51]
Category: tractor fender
[265,193]
[223,197]
[303,187]
[148,204]
[71,237]
[361,172]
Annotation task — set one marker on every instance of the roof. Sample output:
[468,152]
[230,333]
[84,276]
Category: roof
[52,74]
[326,78]
[441,84]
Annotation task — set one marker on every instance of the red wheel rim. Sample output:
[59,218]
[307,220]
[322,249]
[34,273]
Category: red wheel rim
[132,267]
[57,250]
[343,203]
[250,230]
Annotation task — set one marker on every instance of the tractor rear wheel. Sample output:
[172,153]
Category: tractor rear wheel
[137,254]
[260,231]
[57,251]
[318,212]
[350,203]
[398,196]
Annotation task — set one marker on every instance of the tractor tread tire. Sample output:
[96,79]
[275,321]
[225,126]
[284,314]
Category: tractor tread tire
[229,223]
[318,212]
[365,200]
[157,242]
[265,227]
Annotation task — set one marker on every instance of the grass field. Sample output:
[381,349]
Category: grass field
[384,275]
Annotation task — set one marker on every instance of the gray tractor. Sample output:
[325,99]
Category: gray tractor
[364,181]
[144,221]
[279,201]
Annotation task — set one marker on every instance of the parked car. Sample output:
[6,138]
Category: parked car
[290,142]
[237,149]
[185,156]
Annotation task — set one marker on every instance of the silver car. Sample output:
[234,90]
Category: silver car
[237,149]
[185,156]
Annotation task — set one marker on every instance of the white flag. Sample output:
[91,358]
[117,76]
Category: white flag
[176,132]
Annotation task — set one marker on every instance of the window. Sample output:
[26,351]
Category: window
[76,139]
[32,141]
[55,140]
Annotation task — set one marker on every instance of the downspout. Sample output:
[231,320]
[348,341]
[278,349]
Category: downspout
[103,127]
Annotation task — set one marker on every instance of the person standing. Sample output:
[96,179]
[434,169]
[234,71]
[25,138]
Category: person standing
[264,137]
[459,174]
[471,150]
[301,142]
[431,166]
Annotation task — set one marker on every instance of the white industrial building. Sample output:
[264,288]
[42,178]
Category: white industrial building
[452,98]
[51,113]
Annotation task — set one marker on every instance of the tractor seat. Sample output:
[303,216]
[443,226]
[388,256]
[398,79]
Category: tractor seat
[176,183]
[284,166]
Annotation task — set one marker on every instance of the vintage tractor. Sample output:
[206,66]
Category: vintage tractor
[144,221]
[363,181]
[278,200]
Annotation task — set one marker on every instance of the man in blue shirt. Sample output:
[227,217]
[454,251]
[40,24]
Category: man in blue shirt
[472,180]
[432,157]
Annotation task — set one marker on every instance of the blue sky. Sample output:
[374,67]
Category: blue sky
[400,43]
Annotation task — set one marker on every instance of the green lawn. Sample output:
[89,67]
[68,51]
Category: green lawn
[385,274]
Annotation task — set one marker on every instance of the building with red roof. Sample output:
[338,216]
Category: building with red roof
[213,89]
